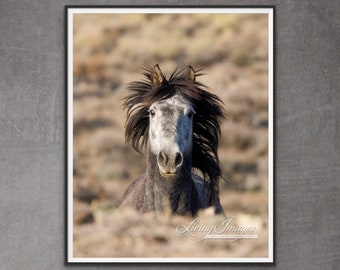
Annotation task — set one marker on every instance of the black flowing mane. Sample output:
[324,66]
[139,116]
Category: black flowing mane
[206,126]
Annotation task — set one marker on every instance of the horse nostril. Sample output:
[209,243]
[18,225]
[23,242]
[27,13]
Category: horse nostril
[178,159]
[162,158]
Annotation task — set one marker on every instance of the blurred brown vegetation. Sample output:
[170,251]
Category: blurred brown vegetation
[110,51]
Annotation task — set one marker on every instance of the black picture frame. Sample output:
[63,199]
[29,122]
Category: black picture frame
[68,258]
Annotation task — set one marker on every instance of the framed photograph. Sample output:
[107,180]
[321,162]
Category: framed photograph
[170,134]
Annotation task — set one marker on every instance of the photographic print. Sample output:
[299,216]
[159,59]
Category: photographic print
[170,134]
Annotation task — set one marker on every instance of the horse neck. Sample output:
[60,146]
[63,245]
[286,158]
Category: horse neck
[177,191]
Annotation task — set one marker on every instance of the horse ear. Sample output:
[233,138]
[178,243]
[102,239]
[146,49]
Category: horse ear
[191,73]
[157,78]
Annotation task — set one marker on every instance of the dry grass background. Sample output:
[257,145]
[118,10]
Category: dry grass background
[109,52]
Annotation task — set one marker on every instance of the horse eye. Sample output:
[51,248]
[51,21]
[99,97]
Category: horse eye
[152,113]
[190,114]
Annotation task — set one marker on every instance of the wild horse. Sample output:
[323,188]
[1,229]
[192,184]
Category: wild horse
[177,122]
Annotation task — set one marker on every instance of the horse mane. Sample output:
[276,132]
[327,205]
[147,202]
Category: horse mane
[206,126]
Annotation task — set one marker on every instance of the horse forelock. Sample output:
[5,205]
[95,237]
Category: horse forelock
[206,125]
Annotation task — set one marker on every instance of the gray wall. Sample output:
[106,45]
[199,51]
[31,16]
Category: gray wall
[32,126]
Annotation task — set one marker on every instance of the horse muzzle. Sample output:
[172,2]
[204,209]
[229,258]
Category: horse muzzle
[169,164]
